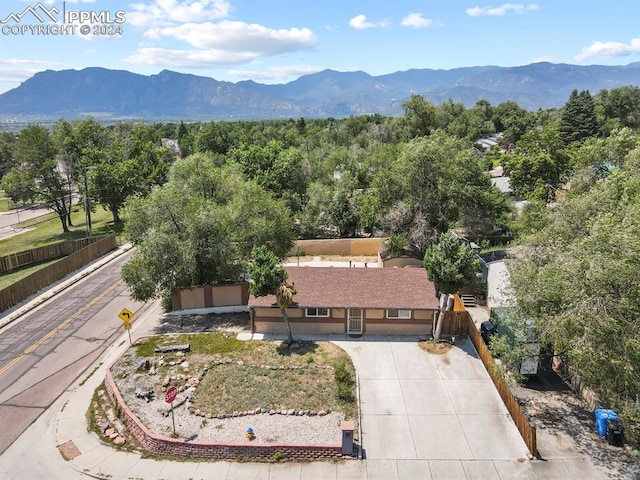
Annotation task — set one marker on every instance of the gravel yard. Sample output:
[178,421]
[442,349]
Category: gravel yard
[274,426]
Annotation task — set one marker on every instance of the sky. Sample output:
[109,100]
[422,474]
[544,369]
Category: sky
[277,41]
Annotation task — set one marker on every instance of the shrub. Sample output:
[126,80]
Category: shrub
[341,372]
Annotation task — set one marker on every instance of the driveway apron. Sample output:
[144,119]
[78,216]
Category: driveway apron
[421,406]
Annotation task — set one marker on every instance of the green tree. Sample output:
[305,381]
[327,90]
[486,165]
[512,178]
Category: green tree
[77,144]
[436,183]
[419,119]
[200,228]
[620,107]
[131,165]
[539,164]
[268,277]
[578,120]
[274,167]
[577,278]
[7,142]
[451,265]
[41,172]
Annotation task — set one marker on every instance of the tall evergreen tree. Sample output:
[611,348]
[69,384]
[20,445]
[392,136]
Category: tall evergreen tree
[578,120]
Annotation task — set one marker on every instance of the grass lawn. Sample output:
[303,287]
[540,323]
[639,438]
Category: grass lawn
[48,229]
[260,374]
[5,203]
[10,278]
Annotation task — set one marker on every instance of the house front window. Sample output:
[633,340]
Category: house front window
[398,313]
[316,312]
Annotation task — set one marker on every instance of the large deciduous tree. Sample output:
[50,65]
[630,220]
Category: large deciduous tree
[437,182]
[130,166]
[578,277]
[40,173]
[200,228]
[451,265]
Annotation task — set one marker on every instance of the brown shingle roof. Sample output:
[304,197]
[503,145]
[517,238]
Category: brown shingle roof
[340,287]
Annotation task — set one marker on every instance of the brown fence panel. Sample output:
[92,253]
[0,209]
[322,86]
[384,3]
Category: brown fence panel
[20,290]
[456,323]
[42,254]
[527,431]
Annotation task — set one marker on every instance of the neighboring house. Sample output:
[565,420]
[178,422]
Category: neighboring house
[394,301]
[489,143]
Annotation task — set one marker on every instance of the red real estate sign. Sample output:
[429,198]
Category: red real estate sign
[171,394]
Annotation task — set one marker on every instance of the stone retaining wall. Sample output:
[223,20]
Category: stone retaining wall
[160,445]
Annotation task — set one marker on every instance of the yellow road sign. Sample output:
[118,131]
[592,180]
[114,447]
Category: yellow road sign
[125,315]
[127,325]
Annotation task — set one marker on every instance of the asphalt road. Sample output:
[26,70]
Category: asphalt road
[9,220]
[44,351]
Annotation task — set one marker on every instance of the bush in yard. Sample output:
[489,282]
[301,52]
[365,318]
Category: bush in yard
[344,380]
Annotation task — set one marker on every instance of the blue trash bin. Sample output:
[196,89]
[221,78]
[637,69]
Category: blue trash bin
[602,415]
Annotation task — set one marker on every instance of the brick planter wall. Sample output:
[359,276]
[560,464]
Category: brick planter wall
[159,445]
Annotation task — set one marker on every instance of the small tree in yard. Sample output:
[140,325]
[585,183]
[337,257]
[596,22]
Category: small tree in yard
[451,265]
[268,277]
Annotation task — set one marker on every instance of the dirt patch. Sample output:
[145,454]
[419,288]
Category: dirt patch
[566,427]
[437,348]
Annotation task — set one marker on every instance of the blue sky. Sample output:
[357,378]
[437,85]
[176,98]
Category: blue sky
[276,41]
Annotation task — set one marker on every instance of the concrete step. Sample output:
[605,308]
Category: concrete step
[468,300]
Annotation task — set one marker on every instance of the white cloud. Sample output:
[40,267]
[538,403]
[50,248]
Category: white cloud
[283,72]
[502,9]
[188,58]
[609,49]
[359,22]
[167,12]
[254,39]
[543,58]
[14,70]
[416,20]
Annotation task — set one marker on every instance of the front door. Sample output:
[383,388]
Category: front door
[354,321]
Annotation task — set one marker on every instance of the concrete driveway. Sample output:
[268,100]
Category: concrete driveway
[421,406]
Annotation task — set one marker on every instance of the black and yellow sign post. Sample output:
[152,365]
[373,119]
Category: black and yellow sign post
[126,315]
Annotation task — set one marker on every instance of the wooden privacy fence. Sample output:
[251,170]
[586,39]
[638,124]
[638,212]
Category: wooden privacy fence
[456,323]
[527,431]
[20,290]
[11,262]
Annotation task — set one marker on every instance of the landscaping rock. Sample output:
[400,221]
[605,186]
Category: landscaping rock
[173,348]
[321,413]
[144,366]
[119,440]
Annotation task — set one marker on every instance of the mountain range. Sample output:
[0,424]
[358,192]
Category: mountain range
[119,94]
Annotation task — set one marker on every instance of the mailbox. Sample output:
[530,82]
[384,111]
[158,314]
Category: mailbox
[347,427]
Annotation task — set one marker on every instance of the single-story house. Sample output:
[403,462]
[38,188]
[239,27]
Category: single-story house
[394,301]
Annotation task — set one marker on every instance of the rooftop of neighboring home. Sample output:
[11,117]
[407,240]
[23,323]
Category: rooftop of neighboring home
[336,287]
